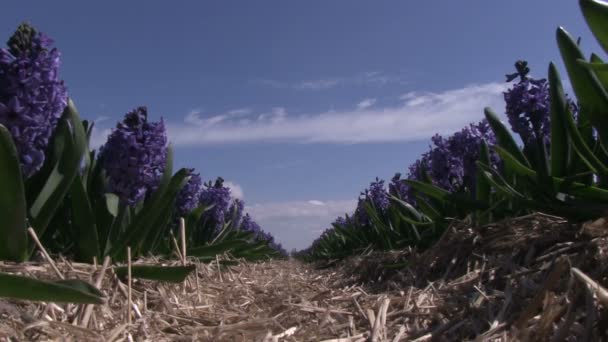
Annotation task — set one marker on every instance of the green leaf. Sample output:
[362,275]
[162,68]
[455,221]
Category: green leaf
[598,67]
[83,220]
[498,182]
[580,146]
[430,190]
[428,209]
[566,186]
[13,236]
[483,189]
[560,147]
[503,137]
[151,218]
[512,162]
[112,201]
[596,15]
[70,133]
[210,251]
[408,207]
[62,291]
[172,274]
[592,97]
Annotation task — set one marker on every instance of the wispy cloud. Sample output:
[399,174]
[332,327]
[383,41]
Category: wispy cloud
[298,209]
[366,103]
[417,117]
[235,190]
[319,84]
[370,78]
[297,223]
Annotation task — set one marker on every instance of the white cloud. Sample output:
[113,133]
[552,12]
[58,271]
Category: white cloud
[320,84]
[366,103]
[316,202]
[235,189]
[418,117]
[370,78]
[99,136]
[298,209]
[297,223]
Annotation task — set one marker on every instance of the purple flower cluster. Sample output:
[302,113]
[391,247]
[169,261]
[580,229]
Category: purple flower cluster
[376,195]
[134,156]
[32,97]
[528,106]
[528,109]
[250,226]
[188,197]
[398,188]
[236,212]
[451,162]
[218,195]
[341,222]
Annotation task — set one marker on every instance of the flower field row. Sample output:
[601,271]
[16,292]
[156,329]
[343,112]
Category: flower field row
[88,205]
[482,174]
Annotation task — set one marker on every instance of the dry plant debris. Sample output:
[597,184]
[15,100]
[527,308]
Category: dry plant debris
[533,278]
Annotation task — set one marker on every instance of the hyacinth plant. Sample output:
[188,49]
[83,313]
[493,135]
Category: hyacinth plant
[569,178]
[562,167]
[43,139]
[218,226]
[80,203]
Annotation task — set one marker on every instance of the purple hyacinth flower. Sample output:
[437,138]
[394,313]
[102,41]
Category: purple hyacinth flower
[32,97]
[528,105]
[376,195]
[134,156]
[188,197]
[250,226]
[218,195]
[451,162]
[235,212]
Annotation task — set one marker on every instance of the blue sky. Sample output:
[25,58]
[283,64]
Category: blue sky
[298,104]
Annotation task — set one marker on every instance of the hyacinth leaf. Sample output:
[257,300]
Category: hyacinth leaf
[573,188]
[580,146]
[13,236]
[428,209]
[592,97]
[503,137]
[194,217]
[381,229]
[171,274]
[70,134]
[512,162]
[598,67]
[210,251]
[560,149]
[163,216]
[498,182]
[409,209]
[112,203]
[83,220]
[596,15]
[143,218]
[430,190]
[62,291]
[106,213]
[483,189]
[154,238]
[150,219]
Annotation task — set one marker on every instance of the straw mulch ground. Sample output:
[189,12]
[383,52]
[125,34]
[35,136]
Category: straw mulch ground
[530,278]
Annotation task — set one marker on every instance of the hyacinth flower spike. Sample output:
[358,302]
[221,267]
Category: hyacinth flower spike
[134,157]
[32,97]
